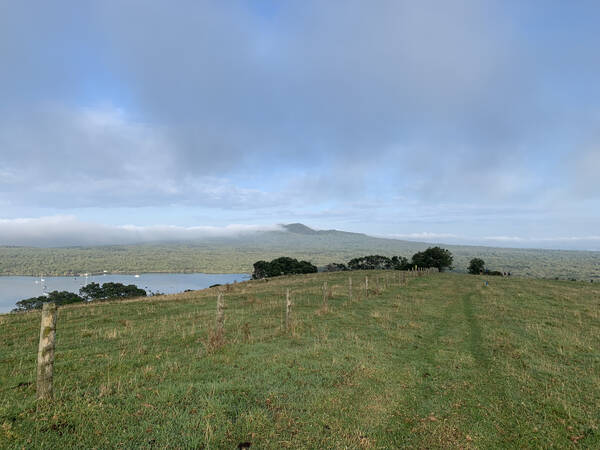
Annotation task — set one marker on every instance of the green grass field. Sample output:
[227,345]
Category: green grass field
[440,361]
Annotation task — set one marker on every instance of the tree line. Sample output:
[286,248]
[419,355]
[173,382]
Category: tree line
[437,257]
[88,293]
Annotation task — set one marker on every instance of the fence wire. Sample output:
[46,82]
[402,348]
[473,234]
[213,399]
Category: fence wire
[90,340]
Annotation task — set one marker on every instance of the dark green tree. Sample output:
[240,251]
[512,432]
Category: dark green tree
[400,263]
[281,266]
[110,291]
[378,262]
[433,257]
[91,291]
[335,267]
[261,270]
[119,290]
[29,304]
[371,262]
[476,266]
[60,298]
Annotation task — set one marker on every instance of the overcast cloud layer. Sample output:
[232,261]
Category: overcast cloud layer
[472,121]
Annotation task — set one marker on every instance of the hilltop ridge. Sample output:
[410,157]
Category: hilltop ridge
[436,361]
[300,228]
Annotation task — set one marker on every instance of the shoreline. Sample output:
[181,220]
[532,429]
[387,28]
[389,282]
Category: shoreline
[95,274]
[14,288]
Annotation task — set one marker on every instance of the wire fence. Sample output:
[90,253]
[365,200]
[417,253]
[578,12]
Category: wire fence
[99,339]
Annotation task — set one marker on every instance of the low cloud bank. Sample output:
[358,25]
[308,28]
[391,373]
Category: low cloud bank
[57,231]
[68,230]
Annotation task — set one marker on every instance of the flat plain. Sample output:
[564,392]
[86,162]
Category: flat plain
[438,361]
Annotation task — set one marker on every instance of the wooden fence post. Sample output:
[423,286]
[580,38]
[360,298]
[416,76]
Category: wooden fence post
[325,293]
[350,288]
[45,360]
[288,310]
[220,312]
[366,286]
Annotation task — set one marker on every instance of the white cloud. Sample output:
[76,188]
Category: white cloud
[313,107]
[64,157]
[68,230]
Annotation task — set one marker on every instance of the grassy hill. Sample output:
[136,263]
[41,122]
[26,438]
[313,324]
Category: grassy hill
[439,361]
[232,255]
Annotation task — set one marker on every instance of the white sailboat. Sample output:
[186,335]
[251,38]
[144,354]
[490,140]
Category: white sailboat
[43,285]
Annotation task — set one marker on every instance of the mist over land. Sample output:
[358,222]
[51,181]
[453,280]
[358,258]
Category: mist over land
[68,231]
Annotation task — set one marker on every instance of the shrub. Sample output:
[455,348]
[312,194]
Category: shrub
[494,273]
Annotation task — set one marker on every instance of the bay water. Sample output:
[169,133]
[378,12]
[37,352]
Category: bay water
[15,288]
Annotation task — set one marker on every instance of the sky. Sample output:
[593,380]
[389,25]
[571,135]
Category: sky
[473,122]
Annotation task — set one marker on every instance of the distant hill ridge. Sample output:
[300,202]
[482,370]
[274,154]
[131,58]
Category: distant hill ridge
[300,228]
[236,254]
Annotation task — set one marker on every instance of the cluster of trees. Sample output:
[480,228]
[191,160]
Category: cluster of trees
[110,291]
[281,266]
[60,298]
[374,262]
[90,292]
[437,257]
[477,267]
[432,257]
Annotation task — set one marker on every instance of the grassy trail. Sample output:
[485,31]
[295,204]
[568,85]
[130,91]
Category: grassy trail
[439,362]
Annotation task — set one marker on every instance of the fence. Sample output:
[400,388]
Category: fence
[157,328]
